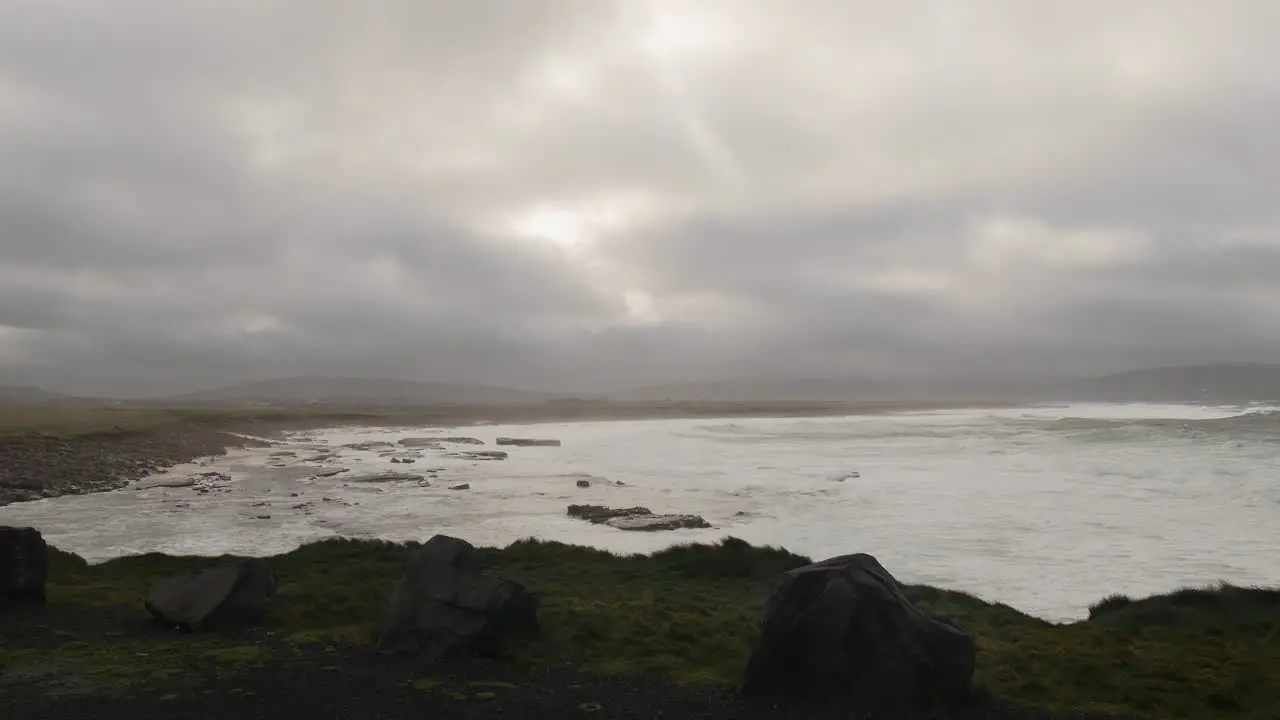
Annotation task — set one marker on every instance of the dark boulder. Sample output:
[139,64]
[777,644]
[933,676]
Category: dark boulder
[584,483]
[227,595]
[24,566]
[843,628]
[444,606]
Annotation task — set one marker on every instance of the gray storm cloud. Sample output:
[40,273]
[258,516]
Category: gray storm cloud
[588,194]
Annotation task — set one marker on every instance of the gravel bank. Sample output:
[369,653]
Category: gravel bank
[35,466]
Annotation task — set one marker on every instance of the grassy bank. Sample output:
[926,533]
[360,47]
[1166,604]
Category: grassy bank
[691,613]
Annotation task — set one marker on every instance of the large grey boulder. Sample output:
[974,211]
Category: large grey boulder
[24,566]
[444,606]
[232,594]
[843,627]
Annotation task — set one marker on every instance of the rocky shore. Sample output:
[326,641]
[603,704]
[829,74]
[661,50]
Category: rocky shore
[37,465]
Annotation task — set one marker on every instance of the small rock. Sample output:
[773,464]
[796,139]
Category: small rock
[395,461]
[463,486]
[262,517]
[584,483]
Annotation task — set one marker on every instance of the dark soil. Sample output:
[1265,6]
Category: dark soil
[319,682]
[34,465]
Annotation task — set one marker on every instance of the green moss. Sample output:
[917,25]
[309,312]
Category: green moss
[426,684]
[691,613]
[237,655]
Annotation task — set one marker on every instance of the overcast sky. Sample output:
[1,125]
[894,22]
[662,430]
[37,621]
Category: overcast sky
[572,194]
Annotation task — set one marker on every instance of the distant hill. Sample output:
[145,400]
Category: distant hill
[1212,383]
[302,390]
[829,389]
[1215,383]
[28,395]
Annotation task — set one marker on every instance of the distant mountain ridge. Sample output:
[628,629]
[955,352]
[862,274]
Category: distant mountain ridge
[1209,383]
[1226,383]
[27,394]
[317,389]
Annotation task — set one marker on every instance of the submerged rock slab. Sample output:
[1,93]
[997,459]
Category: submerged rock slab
[423,443]
[479,455]
[371,445]
[635,518]
[527,442]
[167,483]
[385,477]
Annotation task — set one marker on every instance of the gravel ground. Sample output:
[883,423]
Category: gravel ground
[34,466]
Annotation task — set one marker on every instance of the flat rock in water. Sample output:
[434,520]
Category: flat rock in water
[385,477]
[654,523]
[425,443]
[527,442]
[479,455]
[635,518]
[232,594]
[24,566]
[463,486]
[843,628]
[329,472]
[167,483]
[372,445]
[460,440]
[445,606]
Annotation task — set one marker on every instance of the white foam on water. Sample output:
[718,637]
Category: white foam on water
[1010,504]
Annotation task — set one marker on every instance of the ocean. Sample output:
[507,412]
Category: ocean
[1046,509]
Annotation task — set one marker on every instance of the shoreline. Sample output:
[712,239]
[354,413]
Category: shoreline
[49,452]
